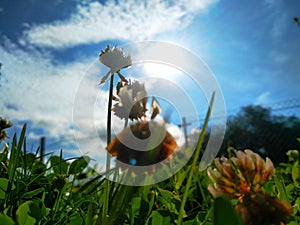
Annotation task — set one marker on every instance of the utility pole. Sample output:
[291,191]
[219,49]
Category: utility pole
[184,126]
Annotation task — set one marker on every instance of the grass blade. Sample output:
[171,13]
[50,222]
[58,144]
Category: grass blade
[194,163]
[15,154]
[281,189]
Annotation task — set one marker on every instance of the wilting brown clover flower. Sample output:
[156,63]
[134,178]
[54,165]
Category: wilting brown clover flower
[260,208]
[242,177]
[3,125]
[115,59]
[152,153]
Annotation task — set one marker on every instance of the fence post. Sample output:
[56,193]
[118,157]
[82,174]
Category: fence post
[42,147]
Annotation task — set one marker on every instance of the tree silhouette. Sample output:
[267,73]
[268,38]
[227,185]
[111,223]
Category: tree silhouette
[255,127]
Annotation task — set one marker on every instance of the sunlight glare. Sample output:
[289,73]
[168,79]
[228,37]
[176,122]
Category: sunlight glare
[161,70]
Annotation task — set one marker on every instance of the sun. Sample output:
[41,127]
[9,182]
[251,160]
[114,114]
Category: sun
[158,69]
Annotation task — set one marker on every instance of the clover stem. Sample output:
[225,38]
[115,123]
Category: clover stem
[116,174]
[126,123]
[107,181]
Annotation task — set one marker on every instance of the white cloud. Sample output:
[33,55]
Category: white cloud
[124,20]
[193,137]
[176,133]
[43,94]
[263,98]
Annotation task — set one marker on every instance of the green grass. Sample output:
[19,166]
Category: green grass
[65,191]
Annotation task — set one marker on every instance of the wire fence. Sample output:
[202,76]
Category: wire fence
[286,108]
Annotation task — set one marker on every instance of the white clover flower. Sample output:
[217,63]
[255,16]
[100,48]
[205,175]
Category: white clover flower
[132,101]
[115,59]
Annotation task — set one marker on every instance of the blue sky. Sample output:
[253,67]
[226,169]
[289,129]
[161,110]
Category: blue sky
[252,48]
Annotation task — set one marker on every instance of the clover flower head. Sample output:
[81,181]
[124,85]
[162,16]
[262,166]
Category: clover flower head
[141,130]
[3,125]
[132,101]
[263,209]
[240,174]
[242,177]
[115,59]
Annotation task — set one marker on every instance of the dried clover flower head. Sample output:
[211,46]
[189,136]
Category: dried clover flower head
[115,59]
[241,174]
[263,209]
[3,125]
[132,101]
[241,177]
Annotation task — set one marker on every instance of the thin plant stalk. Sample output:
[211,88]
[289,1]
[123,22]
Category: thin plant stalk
[107,182]
[126,123]
[194,163]
[116,174]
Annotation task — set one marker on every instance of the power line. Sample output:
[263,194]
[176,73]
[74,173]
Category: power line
[275,106]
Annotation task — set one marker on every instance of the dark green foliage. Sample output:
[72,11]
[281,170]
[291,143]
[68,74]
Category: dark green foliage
[224,211]
[255,127]
[59,165]
[32,192]
[69,192]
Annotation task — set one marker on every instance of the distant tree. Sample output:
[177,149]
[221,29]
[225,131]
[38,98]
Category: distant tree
[256,128]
